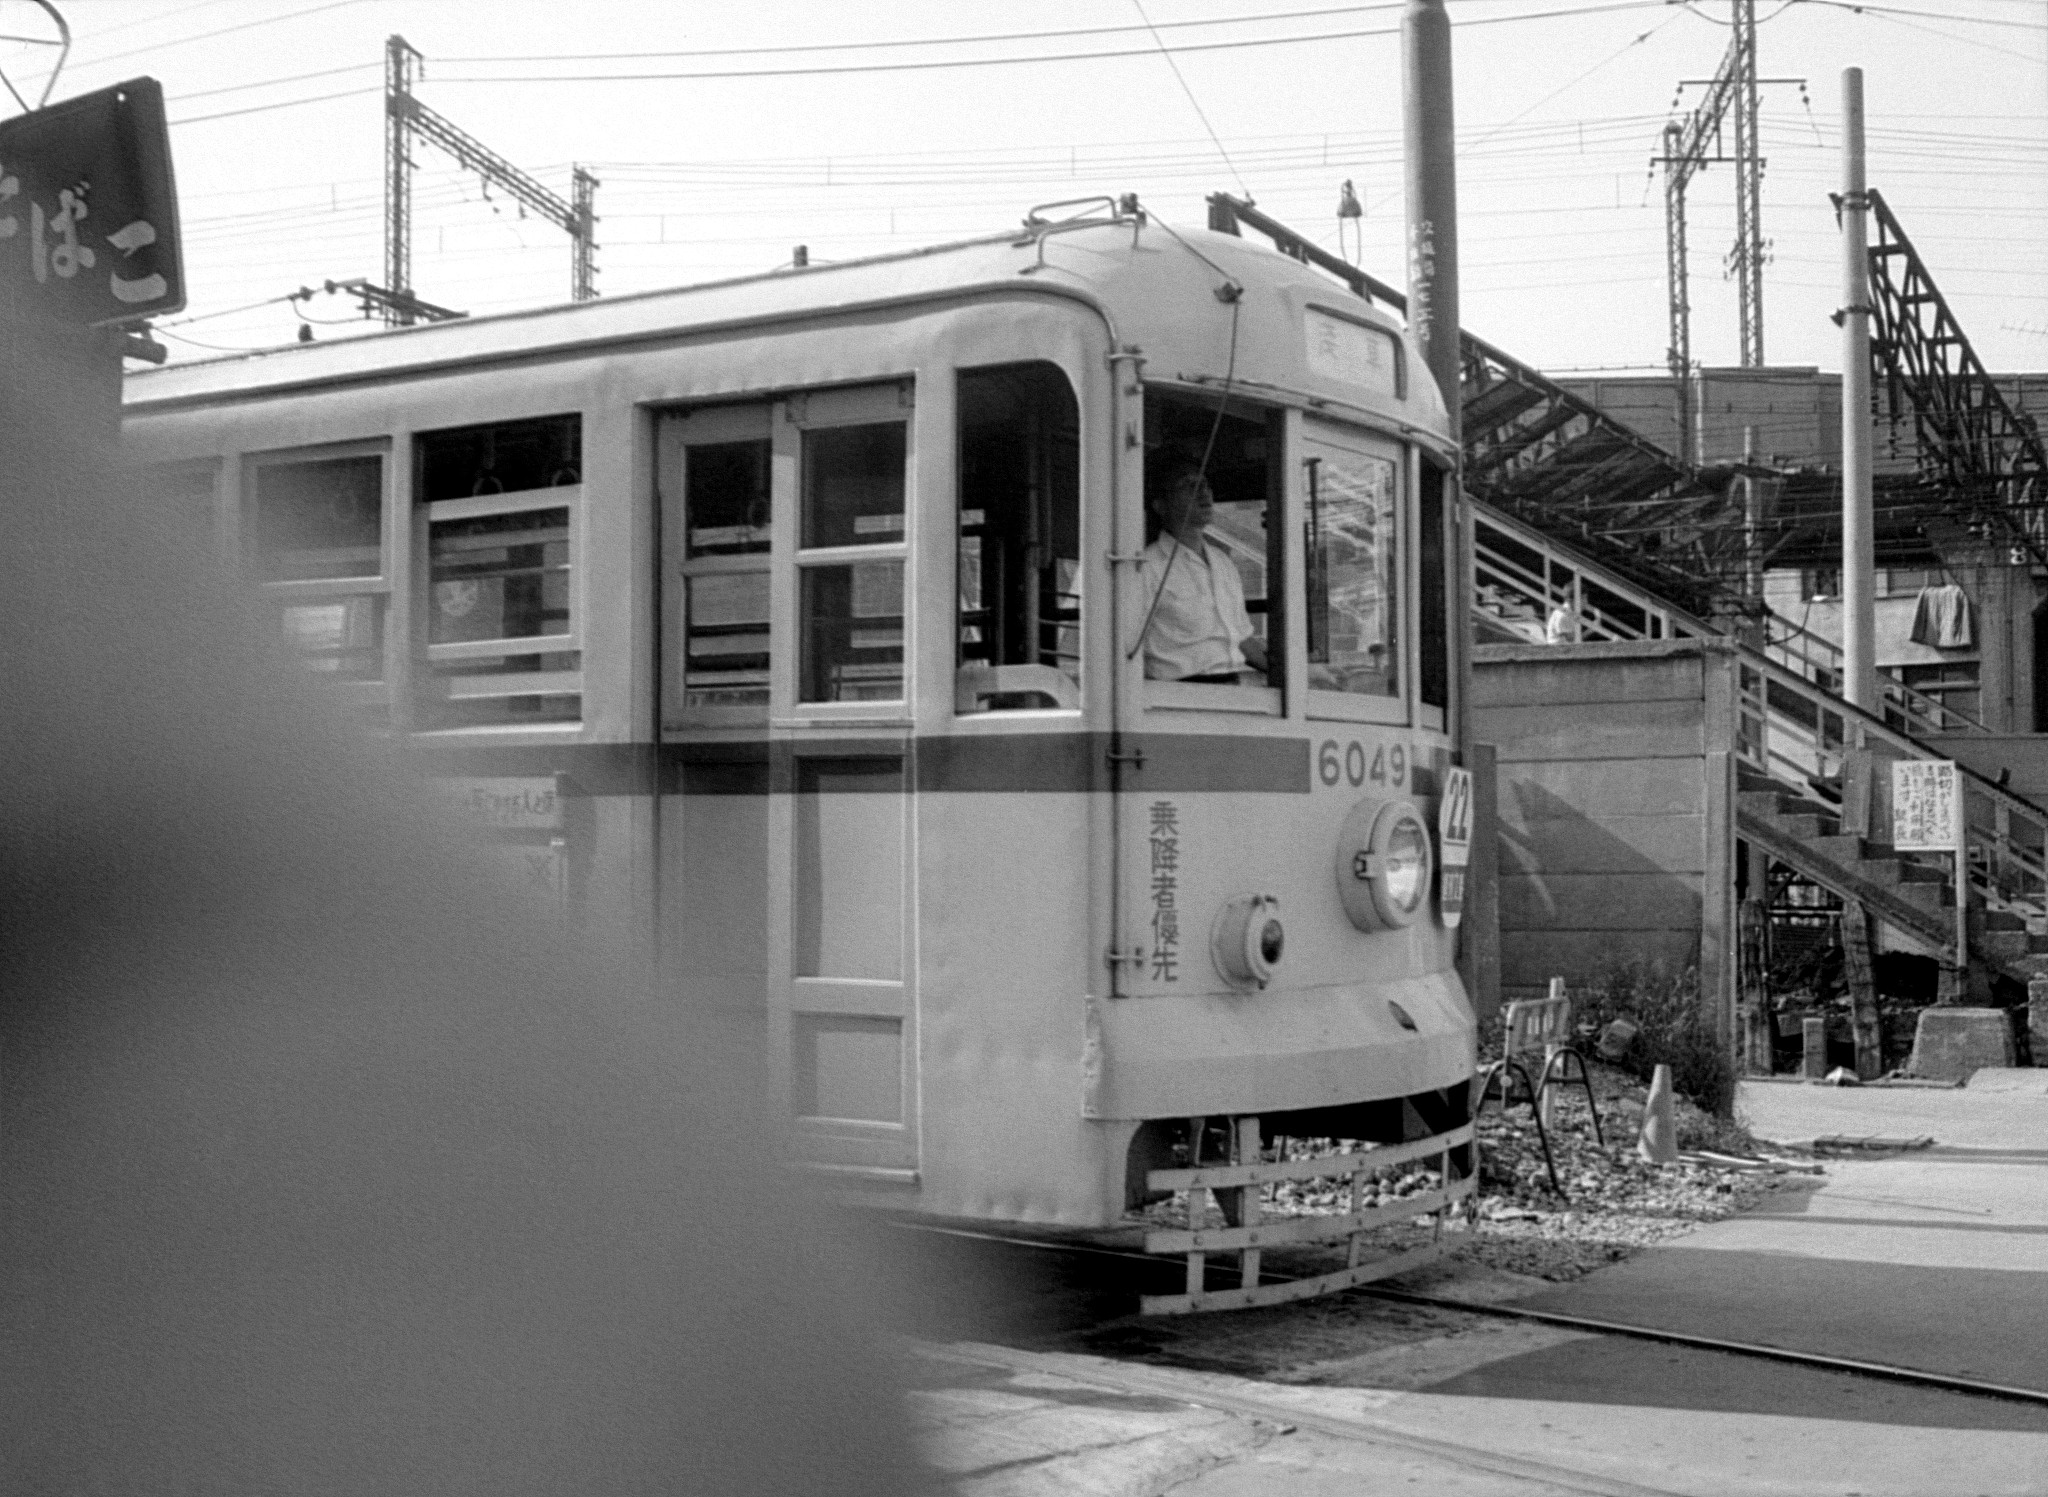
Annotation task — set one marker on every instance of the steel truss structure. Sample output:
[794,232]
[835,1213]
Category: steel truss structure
[406,118]
[1982,461]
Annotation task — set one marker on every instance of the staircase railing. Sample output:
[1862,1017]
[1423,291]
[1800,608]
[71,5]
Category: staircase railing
[1795,731]
[1791,724]
[1527,585]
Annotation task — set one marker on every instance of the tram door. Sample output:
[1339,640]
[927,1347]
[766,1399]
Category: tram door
[787,864]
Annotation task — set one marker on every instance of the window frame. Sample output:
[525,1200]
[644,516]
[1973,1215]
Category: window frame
[782,418]
[964,706]
[710,426]
[867,404]
[1398,709]
[526,683]
[381,585]
[1282,568]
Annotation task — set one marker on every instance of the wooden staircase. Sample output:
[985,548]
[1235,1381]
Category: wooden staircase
[1911,892]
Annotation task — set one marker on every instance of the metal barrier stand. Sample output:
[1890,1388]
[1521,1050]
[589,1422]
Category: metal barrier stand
[1254,1233]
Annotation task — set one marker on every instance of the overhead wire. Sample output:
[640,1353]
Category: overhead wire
[203,36]
[930,41]
[1014,60]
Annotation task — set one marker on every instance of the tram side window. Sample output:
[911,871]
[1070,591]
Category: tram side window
[1353,604]
[315,531]
[1019,610]
[727,505]
[1228,462]
[850,644]
[500,505]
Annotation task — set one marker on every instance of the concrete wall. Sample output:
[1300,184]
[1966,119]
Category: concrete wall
[1616,808]
[1795,411]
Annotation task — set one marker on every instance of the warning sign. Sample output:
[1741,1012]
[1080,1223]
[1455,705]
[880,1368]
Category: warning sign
[1927,805]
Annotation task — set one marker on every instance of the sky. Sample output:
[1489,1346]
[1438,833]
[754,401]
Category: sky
[724,134]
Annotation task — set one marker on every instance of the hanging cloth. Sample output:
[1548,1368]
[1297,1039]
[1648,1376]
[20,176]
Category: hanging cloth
[1942,618]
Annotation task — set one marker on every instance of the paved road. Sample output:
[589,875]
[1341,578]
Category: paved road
[1932,1259]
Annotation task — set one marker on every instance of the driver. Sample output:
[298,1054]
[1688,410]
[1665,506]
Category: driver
[1197,628]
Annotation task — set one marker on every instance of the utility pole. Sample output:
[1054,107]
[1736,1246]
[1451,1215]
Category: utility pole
[1859,549]
[1428,128]
[406,117]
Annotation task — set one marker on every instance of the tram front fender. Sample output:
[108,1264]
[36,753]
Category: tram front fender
[1183,1056]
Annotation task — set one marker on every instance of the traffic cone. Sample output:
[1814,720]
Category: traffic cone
[1659,1143]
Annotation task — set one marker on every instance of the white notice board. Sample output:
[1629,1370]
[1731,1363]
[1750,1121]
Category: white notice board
[1927,805]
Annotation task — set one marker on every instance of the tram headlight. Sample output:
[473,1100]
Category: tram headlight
[1385,861]
[1247,940]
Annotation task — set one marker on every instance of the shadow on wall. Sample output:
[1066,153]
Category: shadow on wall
[326,1170]
[1581,891]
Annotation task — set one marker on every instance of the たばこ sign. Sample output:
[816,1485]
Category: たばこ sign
[89,211]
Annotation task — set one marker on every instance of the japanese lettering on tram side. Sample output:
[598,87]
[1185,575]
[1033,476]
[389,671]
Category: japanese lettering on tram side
[88,211]
[1165,842]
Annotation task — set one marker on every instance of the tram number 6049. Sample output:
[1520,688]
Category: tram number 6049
[1347,763]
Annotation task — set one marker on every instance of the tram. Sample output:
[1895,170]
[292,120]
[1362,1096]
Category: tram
[795,629]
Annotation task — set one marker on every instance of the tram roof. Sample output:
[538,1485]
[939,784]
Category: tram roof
[1157,286]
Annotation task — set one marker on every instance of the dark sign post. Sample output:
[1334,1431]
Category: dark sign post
[88,210]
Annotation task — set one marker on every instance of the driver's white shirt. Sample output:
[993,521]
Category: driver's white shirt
[1200,619]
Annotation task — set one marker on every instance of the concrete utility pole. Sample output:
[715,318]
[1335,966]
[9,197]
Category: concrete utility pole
[1859,550]
[1427,124]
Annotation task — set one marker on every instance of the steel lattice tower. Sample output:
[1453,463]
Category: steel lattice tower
[1688,148]
[405,117]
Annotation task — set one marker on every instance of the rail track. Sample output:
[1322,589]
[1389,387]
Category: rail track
[1848,1366]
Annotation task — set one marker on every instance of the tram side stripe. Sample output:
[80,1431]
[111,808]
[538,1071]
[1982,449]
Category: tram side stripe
[979,763]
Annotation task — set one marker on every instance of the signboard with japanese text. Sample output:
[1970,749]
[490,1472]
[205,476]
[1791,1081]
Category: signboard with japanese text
[1927,805]
[1454,845]
[89,210]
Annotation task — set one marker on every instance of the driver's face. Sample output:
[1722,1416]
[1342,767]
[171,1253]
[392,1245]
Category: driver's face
[1192,503]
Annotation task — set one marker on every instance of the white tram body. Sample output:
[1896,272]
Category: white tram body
[791,628]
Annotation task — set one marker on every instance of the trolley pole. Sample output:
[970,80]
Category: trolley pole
[1859,555]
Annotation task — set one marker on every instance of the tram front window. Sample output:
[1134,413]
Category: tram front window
[1019,620]
[1351,502]
[1210,486]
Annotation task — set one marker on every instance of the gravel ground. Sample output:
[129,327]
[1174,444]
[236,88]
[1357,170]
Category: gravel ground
[1613,1203]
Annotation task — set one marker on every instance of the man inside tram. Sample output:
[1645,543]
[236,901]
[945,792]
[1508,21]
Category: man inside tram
[1197,628]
